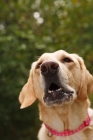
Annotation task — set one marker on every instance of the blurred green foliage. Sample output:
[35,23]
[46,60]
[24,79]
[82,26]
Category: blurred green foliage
[29,28]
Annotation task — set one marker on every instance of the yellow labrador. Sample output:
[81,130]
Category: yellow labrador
[61,83]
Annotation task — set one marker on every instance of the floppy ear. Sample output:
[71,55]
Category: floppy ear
[27,95]
[86,85]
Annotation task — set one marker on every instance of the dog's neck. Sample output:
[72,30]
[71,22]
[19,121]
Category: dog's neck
[60,118]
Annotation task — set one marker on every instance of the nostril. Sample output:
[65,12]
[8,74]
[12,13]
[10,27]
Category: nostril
[54,66]
[44,68]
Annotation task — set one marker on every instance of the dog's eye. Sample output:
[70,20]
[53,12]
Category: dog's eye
[38,65]
[68,60]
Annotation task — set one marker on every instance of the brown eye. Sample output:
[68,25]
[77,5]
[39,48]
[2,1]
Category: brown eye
[68,60]
[38,65]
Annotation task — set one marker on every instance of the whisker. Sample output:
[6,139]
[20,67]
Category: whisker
[37,57]
[67,48]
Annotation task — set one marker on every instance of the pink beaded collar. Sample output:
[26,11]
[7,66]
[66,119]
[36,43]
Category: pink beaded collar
[68,132]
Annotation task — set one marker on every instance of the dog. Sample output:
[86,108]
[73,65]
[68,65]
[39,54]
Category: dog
[61,83]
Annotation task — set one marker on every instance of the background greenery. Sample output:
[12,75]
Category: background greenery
[29,28]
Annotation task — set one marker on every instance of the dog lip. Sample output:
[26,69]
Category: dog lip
[55,92]
[50,91]
[60,91]
[56,96]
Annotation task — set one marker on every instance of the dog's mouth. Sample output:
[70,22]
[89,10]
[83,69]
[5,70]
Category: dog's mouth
[56,95]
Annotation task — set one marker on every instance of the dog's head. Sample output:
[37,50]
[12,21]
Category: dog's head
[55,79]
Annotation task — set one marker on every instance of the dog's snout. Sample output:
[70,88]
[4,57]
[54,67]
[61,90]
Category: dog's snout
[49,67]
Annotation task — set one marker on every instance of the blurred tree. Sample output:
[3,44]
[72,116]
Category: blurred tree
[29,28]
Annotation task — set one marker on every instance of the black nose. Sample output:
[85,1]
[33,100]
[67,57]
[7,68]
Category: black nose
[49,67]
